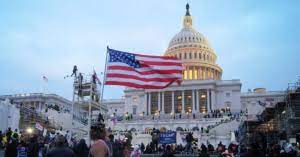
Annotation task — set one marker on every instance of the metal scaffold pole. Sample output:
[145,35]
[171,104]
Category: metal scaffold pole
[72,110]
[90,114]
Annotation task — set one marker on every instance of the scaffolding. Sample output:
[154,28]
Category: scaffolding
[86,103]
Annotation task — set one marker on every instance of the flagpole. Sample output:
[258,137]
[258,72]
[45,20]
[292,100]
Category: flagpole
[104,77]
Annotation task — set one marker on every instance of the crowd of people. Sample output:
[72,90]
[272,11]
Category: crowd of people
[19,144]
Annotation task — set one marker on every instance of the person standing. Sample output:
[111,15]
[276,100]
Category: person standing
[168,152]
[33,147]
[81,149]
[11,148]
[60,149]
[99,148]
[22,150]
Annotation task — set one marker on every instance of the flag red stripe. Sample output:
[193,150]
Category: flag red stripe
[149,63]
[134,85]
[162,57]
[154,71]
[139,78]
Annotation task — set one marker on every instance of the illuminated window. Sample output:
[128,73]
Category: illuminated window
[185,75]
[191,74]
[196,74]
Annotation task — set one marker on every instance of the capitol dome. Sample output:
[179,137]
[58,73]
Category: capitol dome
[199,59]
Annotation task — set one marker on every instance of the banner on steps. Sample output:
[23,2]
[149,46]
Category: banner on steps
[167,138]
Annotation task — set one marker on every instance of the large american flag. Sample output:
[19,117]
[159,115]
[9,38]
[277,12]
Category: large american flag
[142,71]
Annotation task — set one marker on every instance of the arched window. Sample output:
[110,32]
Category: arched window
[203,56]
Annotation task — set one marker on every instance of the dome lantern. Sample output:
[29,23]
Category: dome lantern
[187,21]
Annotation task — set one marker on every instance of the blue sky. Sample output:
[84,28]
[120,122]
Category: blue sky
[256,41]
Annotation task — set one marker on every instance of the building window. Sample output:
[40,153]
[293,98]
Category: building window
[134,99]
[134,110]
[179,55]
[227,95]
[177,101]
[200,55]
[184,55]
[190,55]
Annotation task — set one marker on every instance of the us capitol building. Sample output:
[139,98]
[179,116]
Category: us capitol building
[202,91]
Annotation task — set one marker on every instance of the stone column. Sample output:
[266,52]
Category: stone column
[213,100]
[197,102]
[159,102]
[204,73]
[146,102]
[163,103]
[149,103]
[192,69]
[173,103]
[182,101]
[208,100]
[193,101]
[40,106]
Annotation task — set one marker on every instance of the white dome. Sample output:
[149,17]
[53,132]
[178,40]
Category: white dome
[190,36]
[198,58]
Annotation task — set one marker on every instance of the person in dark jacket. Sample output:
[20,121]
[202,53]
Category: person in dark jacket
[33,147]
[60,150]
[81,149]
[11,149]
[168,152]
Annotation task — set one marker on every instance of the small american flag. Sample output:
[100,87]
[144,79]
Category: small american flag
[142,71]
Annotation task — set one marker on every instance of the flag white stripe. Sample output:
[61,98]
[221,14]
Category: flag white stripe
[125,72]
[147,68]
